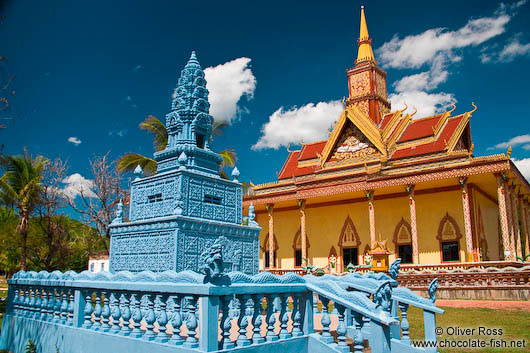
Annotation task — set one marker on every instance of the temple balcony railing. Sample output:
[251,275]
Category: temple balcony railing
[172,311]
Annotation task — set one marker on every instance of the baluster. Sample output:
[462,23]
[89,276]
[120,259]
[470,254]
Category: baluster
[149,317]
[97,312]
[27,302]
[115,312]
[226,324]
[17,303]
[105,312]
[50,305]
[296,316]
[257,299]
[284,316]
[176,322]
[161,320]
[15,299]
[136,316]
[191,323]
[57,308]
[70,310]
[32,311]
[44,305]
[326,321]
[271,318]
[88,310]
[125,315]
[404,323]
[358,339]
[315,303]
[64,307]
[341,329]
[244,313]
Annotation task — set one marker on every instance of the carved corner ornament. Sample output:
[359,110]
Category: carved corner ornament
[383,296]
[432,289]
[394,268]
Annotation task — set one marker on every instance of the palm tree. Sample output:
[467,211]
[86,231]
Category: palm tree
[21,185]
[129,161]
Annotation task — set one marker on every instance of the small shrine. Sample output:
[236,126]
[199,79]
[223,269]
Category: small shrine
[185,213]
[380,256]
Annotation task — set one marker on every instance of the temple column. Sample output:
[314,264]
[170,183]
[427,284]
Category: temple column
[513,220]
[270,208]
[467,219]
[527,217]
[371,215]
[503,217]
[517,231]
[524,223]
[303,232]
[413,226]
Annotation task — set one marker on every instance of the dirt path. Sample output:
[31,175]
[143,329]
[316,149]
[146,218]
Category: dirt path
[511,305]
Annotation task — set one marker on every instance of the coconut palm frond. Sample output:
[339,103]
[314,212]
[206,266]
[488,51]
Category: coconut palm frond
[128,162]
[229,158]
[218,127]
[153,125]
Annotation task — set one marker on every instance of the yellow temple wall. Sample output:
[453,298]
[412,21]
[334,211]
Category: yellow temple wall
[324,225]
[430,209]
[487,213]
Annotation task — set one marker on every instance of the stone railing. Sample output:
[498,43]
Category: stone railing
[473,278]
[187,311]
[460,265]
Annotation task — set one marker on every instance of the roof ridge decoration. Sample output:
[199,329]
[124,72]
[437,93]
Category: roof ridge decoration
[365,52]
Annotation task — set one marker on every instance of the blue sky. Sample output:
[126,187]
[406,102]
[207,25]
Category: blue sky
[88,72]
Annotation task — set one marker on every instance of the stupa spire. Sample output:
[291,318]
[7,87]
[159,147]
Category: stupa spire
[365,52]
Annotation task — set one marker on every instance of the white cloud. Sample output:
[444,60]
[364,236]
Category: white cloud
[308,123]
[75,140]
[427,103]
[514,141]
[513,49]
[524,166]
[438,48]
[413,51]
[227,84]
[526,147]
[75,184]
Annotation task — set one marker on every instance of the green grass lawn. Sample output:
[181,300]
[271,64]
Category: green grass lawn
[515,325]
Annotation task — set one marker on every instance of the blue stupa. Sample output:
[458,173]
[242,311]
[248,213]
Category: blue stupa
[183,211]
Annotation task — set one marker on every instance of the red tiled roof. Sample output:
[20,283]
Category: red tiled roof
[431,147]
[385,120]
[310,150]
[289,166]
[420,128]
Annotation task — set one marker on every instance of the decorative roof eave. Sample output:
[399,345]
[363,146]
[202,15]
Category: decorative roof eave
[397,132]
[333,137]
[391,124]
[451,144]
[472,168]
[519,176]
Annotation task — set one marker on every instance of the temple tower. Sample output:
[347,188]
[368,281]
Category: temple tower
[186,210]
[367,81]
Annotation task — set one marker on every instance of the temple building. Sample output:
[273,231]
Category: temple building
[414,181]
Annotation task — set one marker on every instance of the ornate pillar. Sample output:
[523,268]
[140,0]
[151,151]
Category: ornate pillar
[371,215]
[467,219]
[517,230]
[524,223]
[303,232]
[513,219]
[413,227]
[270,208]
[527,217]
[503,217]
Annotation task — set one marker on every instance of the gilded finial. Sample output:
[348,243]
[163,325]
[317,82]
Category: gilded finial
[475,108]
[365,43]
[509,152]
[406,107]
[452,110]
[471,149]
[415,111]
[302,142]
[289,148]
[344,102]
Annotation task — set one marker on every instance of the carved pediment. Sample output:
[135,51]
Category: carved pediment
[352,144]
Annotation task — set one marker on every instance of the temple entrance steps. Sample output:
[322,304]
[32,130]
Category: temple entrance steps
[187,312]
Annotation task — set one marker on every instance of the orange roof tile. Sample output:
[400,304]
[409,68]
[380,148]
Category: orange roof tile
[431,147]
[310,150]
[385,120]
[289,166]
[420,128]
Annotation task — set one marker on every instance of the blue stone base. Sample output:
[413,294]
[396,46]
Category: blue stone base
[179,243]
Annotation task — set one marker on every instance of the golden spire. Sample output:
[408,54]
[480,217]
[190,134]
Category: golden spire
[365,42]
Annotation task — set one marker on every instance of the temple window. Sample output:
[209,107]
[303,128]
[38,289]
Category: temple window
[298,258]
[297,248]
[403,241]
[92,267]
[350,255]
[449,236]
[266,254]
[154,198]
[199,138]
[216,200]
